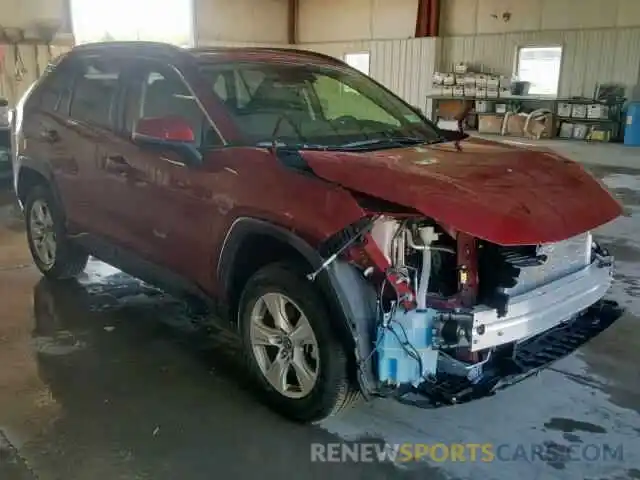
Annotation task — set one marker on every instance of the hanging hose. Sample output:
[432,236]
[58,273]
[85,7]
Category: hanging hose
[540,112]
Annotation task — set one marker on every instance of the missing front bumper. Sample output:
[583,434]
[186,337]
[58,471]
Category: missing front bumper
[543,308]
[513,363]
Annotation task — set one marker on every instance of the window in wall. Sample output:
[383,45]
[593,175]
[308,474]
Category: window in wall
[359,61]
[541,67]
[168,21]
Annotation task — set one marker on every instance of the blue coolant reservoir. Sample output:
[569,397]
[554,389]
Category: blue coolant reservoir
[395,364]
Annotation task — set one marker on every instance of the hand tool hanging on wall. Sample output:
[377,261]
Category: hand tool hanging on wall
[20,68]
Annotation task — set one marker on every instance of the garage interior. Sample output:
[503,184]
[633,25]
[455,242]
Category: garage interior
[109,379]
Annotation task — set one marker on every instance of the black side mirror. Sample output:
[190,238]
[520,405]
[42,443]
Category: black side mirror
[453,135]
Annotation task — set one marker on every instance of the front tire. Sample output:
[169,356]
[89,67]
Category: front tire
[290,347]
[55,255]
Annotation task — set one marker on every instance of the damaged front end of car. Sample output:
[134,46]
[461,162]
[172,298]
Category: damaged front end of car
[441,317]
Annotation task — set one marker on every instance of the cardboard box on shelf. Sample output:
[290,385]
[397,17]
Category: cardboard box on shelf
[597,111]
[580,131]
[450,109]
[461,68]
[438,78]
[504,92]
[493,82]
[481,80]
[458,91]
[599,134]
[460,80]
[447,91]
[505,82]
[484,106]
[449,79]
[470,91]
[579,111]
[492,93]
[470,80]
[564,109]
[501,108]
[490,124]
[481,92]
[566,130]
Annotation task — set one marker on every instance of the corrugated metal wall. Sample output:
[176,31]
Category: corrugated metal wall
[589,56]
[403,66]
[18,72]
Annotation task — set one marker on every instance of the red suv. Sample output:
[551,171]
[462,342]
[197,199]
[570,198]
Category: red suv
[357,248]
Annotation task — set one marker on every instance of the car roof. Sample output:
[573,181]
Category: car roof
[164,51]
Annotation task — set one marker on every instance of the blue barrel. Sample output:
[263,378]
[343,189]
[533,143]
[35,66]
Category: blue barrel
[632,130]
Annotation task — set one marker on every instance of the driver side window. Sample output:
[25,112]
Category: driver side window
[162,93]
[338,101]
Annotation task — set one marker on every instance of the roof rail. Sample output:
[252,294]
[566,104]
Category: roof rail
[221,49]
[125,45]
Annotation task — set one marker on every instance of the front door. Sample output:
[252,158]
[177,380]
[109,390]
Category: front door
[171,197]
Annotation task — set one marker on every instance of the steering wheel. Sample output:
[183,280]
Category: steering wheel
[285,116]
[346,119]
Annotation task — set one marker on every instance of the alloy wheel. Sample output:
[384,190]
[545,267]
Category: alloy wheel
[284,345]
[43,236]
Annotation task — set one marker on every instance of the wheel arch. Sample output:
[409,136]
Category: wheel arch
[349,298]
[33,172]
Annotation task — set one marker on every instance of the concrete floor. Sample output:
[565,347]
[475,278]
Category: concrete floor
[108,380]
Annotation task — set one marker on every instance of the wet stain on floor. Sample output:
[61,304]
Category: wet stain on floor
[569,425]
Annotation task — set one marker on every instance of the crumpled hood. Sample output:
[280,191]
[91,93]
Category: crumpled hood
[493,191]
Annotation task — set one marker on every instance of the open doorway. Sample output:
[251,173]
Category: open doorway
[168,21]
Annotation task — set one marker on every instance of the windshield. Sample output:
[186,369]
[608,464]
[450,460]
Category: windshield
[315,107]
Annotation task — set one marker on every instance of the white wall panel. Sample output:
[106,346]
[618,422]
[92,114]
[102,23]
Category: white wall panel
[25,14]
[352,20]
[469,17]
[589,56]
[403,66]
[241,21]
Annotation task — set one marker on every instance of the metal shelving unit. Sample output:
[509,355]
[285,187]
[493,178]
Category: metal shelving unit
[514,101]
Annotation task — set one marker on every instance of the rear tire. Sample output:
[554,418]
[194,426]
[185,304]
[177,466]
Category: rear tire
[312,387]
[55,255]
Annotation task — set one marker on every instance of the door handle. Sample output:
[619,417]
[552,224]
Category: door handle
[117,164]
[50,135]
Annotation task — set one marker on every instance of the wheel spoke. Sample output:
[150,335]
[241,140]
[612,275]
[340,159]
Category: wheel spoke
[302,334]
[263,335]
[277,373]
[276,306]
[304,373]
[47,218]
[38,213]
[50,244]
[44,252]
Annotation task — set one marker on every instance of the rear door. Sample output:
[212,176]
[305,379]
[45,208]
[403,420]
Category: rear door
[90,116]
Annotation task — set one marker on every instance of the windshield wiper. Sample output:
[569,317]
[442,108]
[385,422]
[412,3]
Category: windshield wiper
[294,146]
[394,140]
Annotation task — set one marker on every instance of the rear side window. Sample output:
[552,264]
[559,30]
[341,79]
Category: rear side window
[94,95]
[52,91]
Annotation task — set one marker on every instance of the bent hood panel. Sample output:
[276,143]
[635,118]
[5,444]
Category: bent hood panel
[503,194]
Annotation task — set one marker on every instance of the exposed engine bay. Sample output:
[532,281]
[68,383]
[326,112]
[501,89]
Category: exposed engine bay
[457,315]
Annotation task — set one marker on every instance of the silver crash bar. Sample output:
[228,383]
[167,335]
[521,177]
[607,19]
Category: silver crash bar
[540,309]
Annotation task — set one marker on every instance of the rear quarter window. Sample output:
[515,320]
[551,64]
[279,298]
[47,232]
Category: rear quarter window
[52,94]
[94,93]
